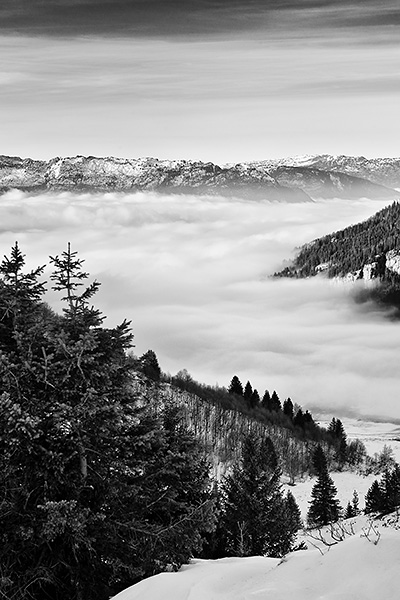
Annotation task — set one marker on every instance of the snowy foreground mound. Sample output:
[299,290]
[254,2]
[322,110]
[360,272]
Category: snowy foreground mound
[355,569]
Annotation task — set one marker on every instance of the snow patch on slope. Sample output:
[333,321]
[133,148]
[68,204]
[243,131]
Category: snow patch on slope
[351,570]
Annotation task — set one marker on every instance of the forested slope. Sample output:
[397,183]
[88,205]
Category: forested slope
[110,471]
[368,251]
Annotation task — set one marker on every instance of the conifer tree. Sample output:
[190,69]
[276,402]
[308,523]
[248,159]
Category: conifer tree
[318,460]
[149,365]
[332,428]
[288,408]
[349,512]
[275,402]
[298,420]
[266,400]
[338,435]
[255,513]
[324,507]
[293,514]
[248,392]
[355,503]
[235,386]
[384,497]
[374,499]
[20,294]
[255,399]
[391,488]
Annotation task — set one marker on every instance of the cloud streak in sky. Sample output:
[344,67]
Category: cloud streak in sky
[151,18]
[192,274]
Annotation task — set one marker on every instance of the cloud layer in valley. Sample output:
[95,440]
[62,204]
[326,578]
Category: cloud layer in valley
[192,274]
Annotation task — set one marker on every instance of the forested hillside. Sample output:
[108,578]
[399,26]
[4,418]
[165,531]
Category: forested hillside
[221,420]
[111,471]
[368,251]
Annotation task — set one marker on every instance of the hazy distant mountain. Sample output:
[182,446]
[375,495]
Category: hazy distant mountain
[287,180]
[383,171]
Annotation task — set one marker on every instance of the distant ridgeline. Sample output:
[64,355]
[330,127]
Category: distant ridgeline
[301,179]
[368,251]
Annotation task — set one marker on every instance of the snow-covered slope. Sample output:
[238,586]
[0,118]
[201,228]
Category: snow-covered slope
[355,569]
[289,180]
[345,482]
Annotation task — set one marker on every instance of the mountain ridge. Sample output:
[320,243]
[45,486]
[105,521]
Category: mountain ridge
[289,180]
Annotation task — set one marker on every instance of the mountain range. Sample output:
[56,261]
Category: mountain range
[296,179]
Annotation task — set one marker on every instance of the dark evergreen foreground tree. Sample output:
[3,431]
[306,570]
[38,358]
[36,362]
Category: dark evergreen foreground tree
[257,519]
[324,507]
[384,496]
[293,515]
[95,492]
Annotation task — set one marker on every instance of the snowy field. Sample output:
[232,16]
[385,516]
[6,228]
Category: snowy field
[375,436]
[345,483]
[357,568]
[372,433]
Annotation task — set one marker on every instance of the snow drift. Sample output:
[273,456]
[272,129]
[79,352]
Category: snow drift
[354,569]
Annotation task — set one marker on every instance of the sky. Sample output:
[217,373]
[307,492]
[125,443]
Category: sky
[217,80]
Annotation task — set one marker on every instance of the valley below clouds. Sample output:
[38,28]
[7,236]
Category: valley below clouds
[193,275]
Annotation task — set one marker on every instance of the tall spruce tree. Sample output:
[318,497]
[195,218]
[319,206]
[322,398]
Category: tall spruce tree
[288,409]
[255,399]
[255,517]
[236,386]
[338,435]
[324,507]
[298,419]
[318,460]
[248,392]
[384,496]
[374,498]
[150,366]
[275,402]
[266,400]
[293,514]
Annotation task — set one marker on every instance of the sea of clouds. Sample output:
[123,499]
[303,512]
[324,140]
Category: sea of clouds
[192,273]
